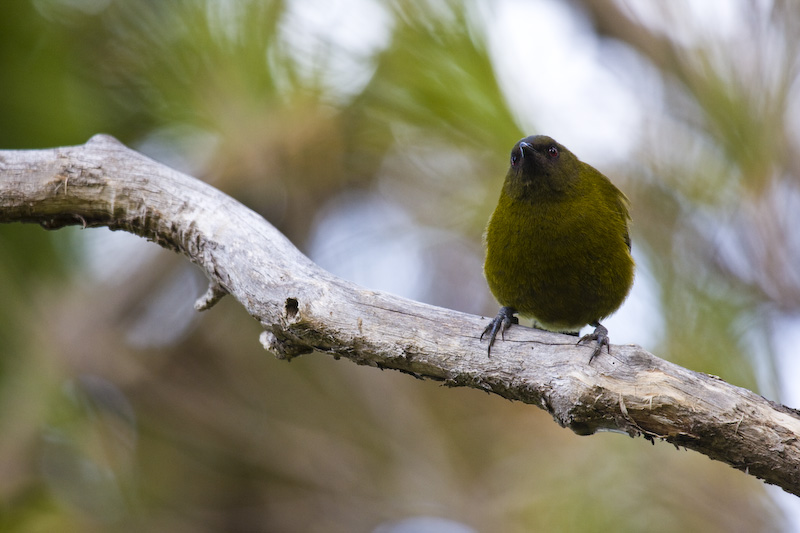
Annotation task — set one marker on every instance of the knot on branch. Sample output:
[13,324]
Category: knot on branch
[282,346]
[279,339]
[291,308]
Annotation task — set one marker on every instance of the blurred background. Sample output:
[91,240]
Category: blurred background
[375,134]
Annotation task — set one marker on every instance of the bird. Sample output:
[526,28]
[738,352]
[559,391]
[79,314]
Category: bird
[558,247]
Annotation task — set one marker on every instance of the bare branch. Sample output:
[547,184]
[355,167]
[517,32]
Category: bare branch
[304,308]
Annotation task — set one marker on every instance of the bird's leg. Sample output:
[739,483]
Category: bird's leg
[600,334]
[505,317]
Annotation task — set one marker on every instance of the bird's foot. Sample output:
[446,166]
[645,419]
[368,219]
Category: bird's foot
[505,317]
[600,334]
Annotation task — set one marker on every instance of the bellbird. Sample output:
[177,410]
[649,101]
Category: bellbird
[557,245]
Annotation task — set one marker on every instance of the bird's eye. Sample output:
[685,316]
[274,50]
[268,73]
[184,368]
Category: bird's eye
[515,159]
[552,152]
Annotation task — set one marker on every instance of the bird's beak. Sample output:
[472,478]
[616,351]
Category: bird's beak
[522,147]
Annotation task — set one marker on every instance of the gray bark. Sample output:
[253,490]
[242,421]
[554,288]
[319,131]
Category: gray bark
[304,308]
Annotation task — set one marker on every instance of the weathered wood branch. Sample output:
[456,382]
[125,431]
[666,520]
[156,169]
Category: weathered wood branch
[304,308]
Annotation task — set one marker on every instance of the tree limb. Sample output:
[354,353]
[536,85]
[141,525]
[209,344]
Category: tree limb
[304,308]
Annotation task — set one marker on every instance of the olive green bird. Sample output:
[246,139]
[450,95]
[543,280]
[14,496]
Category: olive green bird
[558,249]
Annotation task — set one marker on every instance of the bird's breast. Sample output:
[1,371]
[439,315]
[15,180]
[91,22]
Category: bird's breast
[563,263]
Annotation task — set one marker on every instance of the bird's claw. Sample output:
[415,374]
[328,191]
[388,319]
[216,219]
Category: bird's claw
[600,334]
[505,317]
